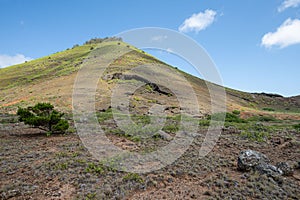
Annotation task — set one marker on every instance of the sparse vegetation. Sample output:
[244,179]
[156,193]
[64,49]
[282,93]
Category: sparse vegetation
[133,177]
[229,117]
[94,168]
[204,122]
[105,115]
[137,98]
[262,118]
[100,40]
[61,166]
[141,119]
[148,88]
[256,132]
[171,128]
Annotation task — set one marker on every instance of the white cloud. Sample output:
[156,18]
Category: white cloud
[288,4]
[198,22]
[6,60]
[285,35]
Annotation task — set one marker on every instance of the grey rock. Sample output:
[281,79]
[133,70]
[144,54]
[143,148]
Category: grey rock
[249,159]
[165,135]
[269,170]
[285,168]
[253,160]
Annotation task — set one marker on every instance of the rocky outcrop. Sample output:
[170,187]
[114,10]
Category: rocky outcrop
[249,159]
[253,160]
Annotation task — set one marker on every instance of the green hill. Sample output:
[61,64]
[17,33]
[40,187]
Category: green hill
[51,79]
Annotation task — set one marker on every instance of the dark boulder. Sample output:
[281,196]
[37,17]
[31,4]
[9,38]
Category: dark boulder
[253,160]
[249,159]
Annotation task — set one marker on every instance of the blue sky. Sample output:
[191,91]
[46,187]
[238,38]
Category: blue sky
[255,44]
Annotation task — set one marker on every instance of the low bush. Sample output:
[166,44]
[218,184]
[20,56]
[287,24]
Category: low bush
[204,122]
[269,109]
[256,132]
[236,112]
[133,177]
[44,117]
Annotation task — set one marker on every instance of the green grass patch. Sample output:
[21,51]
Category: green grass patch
[257,133]
[262,118]
[172,124]
[171,128]
[106,115]
[61,166]
[94,168]
[141,119]
[204,122]
[133,177]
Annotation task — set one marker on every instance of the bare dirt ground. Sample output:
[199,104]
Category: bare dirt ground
[34,166]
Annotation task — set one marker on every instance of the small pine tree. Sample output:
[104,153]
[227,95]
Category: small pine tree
[44,117]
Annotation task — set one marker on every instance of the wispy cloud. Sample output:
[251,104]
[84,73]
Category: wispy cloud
[288,4]
[159,38]
[198,22]
[285,35]
[7,60]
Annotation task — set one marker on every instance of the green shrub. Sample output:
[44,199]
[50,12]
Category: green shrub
[297,127]
[93,168]
[204,122]
[133,177]
[268,109]
[149,88]
[236,112]
[44,117]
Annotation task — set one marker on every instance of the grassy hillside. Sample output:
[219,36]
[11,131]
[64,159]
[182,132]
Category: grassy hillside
[51,79]
[61,166]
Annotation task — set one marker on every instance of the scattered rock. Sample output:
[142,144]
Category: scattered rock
[248,159]
[269,170]
[285,168]
[165,135]
[253,160]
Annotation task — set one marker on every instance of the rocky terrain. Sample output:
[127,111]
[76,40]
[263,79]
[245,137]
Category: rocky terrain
[34,166]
